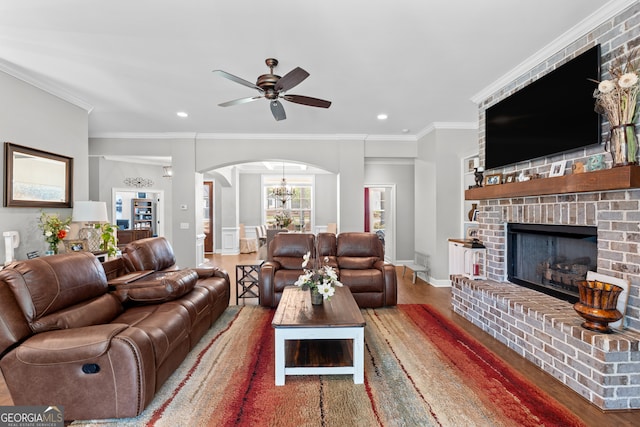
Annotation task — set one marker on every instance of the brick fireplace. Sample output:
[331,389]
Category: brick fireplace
[603,368]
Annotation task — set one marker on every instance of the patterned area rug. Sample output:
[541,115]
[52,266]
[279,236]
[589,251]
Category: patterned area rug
[420,370]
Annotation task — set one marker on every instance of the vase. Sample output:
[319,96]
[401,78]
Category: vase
[597,305]
[53,249]
[474,206]
[623,144]
[316,297]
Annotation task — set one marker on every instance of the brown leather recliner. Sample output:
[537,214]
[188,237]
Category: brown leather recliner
[283,265]
[357,257]
[362,268]
[68,338]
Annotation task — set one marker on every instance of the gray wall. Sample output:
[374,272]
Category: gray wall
[34,118]
[428,207]
[439,195]
[111,174]
[402,176]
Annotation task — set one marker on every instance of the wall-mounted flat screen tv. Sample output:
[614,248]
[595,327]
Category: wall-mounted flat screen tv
[551,115]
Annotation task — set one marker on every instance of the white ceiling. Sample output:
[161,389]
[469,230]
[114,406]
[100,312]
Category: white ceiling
[134,64]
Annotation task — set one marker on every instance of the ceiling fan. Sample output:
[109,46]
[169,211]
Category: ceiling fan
[273,87]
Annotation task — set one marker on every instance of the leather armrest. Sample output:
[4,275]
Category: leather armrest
[69,345]
[266,283]
[390,284]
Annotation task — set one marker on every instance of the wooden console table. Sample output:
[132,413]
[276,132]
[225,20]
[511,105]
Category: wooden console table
[128,236]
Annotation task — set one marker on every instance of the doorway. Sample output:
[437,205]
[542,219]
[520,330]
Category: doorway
[379,212]
[127,214]
[207,215]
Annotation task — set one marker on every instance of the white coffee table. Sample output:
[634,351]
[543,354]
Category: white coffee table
[336,321]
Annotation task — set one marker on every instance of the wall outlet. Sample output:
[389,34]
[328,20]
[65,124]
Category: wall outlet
[184,225]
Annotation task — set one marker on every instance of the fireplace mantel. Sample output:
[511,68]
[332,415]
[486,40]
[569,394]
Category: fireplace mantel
[618,178]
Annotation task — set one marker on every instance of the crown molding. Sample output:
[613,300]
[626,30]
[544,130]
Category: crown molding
[285,137]
[28,77]
[605,13]
[143,135]
[249,136]
[446,126]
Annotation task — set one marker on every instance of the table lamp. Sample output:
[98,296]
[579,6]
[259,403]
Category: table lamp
[90,213]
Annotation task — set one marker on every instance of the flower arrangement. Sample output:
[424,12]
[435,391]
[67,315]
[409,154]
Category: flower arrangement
[322,279]
[616,99]
[283,219]
[54,229]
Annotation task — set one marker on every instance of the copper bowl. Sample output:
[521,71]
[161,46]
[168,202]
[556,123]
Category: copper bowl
[597,305]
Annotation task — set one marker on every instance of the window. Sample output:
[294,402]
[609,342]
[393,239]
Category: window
[298,209]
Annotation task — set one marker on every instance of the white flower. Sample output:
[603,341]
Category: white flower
[306,257]
[326,290]
[48,233]
[329,271]
[627,80]
[304,279]
[606,86]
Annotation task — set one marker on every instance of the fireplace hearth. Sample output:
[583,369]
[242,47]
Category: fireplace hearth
[551,259]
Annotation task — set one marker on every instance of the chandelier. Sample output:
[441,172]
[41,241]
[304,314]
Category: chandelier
[284,192]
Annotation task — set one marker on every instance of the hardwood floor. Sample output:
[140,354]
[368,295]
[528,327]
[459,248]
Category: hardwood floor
[440,299]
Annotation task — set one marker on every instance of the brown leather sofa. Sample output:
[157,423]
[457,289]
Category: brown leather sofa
[101,349]
[357,257]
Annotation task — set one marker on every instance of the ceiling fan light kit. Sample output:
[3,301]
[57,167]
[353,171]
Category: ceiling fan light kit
[273,87]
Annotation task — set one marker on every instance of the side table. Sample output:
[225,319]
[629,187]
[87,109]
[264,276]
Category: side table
[247,278]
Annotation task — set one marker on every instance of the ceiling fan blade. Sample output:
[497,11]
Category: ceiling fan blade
[239,101]
[307,100]
[277,110]
[237,79]
[291,79]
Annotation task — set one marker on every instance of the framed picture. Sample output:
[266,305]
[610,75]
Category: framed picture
[473,163]
[557,168]
[510,178]
[75,245]
[493,179]
[472,233]
[37,179]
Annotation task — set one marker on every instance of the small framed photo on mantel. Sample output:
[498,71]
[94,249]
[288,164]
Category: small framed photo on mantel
[493,179]
[557,168]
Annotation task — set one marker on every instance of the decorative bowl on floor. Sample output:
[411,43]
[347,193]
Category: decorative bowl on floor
[597,305]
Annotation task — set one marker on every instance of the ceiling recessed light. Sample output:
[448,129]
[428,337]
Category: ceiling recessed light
[382,117]
[182,114]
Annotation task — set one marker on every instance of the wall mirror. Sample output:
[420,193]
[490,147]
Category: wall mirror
[34,178]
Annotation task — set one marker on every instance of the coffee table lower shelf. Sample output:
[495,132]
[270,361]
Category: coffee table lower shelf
[319,351]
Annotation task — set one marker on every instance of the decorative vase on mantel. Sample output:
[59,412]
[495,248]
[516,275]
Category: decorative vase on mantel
[316,297]
[597,305]
[474,207]
[623,144]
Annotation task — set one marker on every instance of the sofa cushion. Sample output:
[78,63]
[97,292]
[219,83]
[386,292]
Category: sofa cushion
[152,253]
[290,263]
[100,310]
[157,288]
[356,263]
[43,286]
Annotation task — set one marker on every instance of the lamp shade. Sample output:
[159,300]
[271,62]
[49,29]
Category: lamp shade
[90,212]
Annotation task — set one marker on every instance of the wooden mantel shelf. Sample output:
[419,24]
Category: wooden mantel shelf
[618,178]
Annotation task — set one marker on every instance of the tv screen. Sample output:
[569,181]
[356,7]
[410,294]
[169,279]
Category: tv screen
[551,115]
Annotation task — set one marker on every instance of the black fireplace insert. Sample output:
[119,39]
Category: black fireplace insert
[551,258]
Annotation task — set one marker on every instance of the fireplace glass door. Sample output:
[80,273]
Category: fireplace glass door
[551,258]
